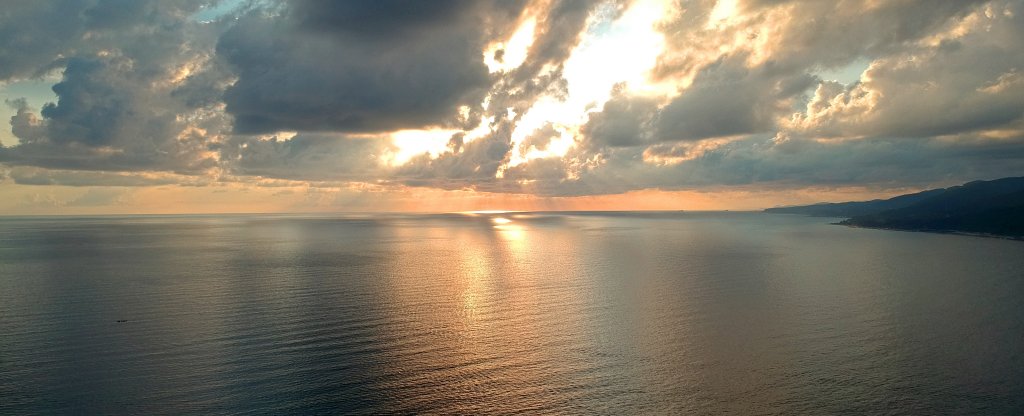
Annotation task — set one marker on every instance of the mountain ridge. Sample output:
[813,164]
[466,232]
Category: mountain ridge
[994,207]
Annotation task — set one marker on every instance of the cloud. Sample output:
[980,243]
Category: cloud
[23,175]
[34,36]
[539,139]
[778,162]
[98,197]
[38,36]
[24,123]
[938,88]
[343,67]
[309,93]
[99,106]
[623,121]
[800,35]
[115,109]
[559,31]
[107,118]
[728,99]
[473,165]
[389,20]
[309,156]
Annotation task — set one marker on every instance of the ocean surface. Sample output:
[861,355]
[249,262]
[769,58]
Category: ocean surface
[564,313]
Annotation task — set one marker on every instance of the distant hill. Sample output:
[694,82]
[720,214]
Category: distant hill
[853,209]
[983,207]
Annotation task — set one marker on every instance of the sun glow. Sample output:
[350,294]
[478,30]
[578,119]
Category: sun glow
[413,143]
[625,50]
[722,12]
[481,130]
[510,232]
[513,52]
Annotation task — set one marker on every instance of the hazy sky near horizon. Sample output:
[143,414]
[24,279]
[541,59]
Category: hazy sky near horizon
[121,106]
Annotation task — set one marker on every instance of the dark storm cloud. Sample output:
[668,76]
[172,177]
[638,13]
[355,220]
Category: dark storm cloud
[726,99]
[623,121]
[308,156]
[729,99]
[388,19]
[107,119]
[114,110]
[97,106]
[37,36]
[880,162]
[335,74]
[781,163]
[33,35]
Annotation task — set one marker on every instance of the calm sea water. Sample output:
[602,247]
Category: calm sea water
[679,313]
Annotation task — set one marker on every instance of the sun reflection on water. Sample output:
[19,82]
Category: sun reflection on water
[511,232]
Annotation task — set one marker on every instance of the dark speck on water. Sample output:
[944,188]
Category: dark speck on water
[537,313]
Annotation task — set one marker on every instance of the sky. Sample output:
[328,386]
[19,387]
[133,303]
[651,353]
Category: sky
[202,106]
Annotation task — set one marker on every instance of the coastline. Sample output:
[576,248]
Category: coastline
[952,232]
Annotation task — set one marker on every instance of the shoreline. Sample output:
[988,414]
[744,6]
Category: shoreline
[951,232]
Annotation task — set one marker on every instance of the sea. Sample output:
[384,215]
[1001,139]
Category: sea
[618,313]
